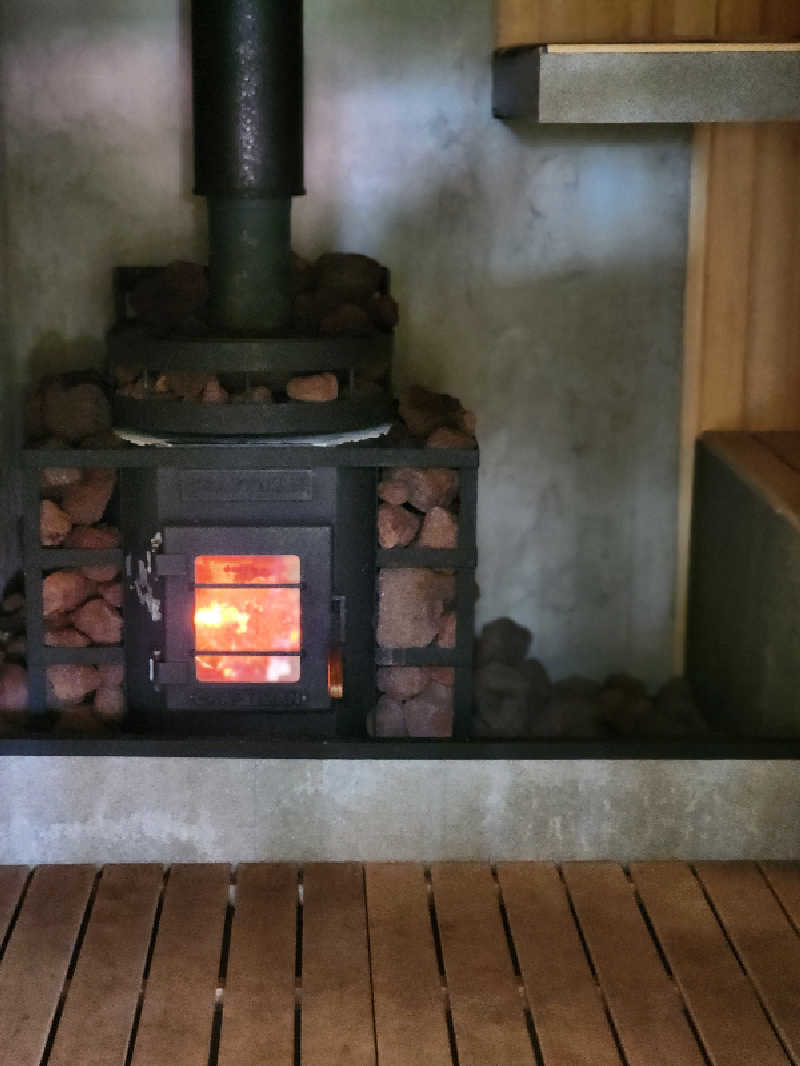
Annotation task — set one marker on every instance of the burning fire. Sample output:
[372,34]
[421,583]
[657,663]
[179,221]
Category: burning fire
[220,614]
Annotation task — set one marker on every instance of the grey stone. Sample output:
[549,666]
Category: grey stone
[503,641]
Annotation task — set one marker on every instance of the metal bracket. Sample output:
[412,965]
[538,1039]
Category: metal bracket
[177,673]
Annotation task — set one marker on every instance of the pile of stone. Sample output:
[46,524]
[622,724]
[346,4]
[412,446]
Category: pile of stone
[13,674]
[515,698]
[415,701]
[338,295]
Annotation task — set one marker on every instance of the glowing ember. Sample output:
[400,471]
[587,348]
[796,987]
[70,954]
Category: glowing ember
[249,618]
[247,669]
[247,570]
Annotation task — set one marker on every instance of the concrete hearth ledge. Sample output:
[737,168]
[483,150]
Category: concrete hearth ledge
[199,810]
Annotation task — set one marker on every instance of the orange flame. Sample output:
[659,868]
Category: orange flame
[221,614]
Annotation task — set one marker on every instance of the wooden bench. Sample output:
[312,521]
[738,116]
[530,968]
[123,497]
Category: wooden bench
[588,963]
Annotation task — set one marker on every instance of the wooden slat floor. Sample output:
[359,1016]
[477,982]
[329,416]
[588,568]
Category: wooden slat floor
[524,964]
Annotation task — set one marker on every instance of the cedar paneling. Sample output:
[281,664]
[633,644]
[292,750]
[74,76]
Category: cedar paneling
[525,22]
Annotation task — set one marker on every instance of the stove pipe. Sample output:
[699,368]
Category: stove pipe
[247,64]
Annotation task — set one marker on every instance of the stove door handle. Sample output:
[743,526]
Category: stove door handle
[339,618]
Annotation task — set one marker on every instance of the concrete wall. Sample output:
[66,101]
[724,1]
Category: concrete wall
[539,271]
[540,274]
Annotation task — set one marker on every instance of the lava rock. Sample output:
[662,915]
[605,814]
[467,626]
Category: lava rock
[65,637]
[540,687]
[86,502]
[70,683]
[397,526]
[64,590]
[410,607]
[109,703]
[447,630]
[503,641]
[433,487]
[111,675]
[165,299]
[13,687]
[54,479]
[12,603]
[393,492]
[431,713]
[96,537]
[353,277]
[568,716]
[54,524]
[213,393]
[439,530]
[676,713]
[502,705]
[383,311]
[389,718]
[346,320]
[403,682]
[74,412]
[445,437]
[99,621]
[314,388]
[111,592]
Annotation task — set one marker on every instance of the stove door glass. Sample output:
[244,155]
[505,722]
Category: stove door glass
[245,633]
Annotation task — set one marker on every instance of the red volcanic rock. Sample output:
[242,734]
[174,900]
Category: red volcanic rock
[99,621]
[410,606]
[445,437]
[403,682]
[439,530]
[70,683]
[389,718]
[102,536]
[75,412]
[397,527]
[111,675]
[109,702]
[346,320]
[435,487]
[394,492]
[13,688]
[447,630]
[65,637]
[54,524]
[383,311]
[443,675]
[111,593]
[65,590]
[54,479]
[431,713]
[213,393]
[314,388]
[86,502]
[353,277]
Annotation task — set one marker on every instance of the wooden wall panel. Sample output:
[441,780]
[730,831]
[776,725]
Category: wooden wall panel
[742,356]
[520,22]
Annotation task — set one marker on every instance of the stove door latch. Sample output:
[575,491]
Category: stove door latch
[175,673]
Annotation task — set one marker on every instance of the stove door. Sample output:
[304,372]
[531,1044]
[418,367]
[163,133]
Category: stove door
[247,613]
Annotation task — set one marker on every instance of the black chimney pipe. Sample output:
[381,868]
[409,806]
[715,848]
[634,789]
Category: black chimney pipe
[247,61]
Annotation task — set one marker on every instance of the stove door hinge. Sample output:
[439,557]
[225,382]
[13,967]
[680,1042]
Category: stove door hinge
[175,673]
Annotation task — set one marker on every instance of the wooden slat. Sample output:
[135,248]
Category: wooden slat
[337,1002]
[258,1018]
[409,1009]
[764,939]
[565,1002]
[36,960]
[176,1020]
[525,22]
[727,284]
[722,1001]
[12,882]
[645,1006]
[772,378]
[784,877]
[762,470]
[108,976]
[488,1013]
[786,446]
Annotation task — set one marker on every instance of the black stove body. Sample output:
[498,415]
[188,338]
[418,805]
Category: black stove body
[321,521]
